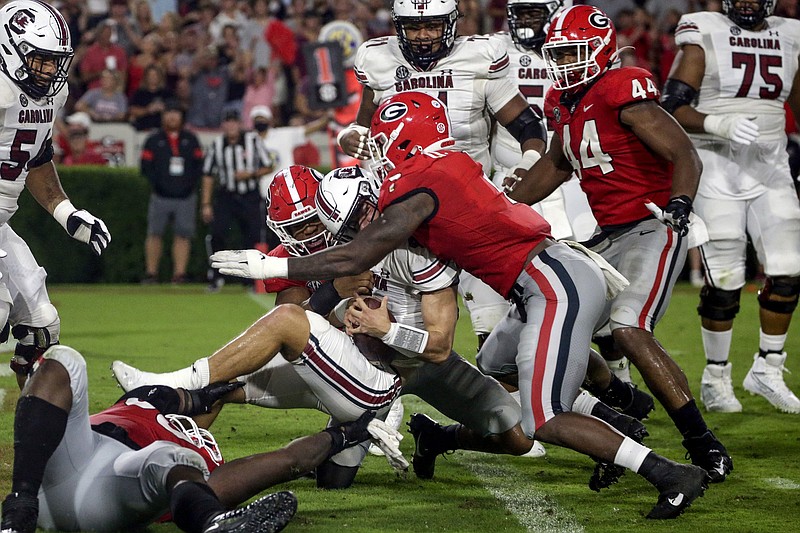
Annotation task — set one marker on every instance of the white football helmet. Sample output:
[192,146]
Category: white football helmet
[528,21]
[407,14]
[200,437]
[347,199]
[35,47]
[290,207]
[746,16]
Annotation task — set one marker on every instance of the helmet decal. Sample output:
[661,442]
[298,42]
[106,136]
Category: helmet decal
[599,20]
[21,20]
[394,111]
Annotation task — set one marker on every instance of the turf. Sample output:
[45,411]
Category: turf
[166,327]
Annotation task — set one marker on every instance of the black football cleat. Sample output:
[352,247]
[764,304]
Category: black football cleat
[20,513]
[678,488]
[709,454]
[268,514]
[641,404]
[428,437]
[604,475]
[625,424]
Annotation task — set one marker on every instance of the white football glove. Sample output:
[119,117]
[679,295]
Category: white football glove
[352,144]
[388,440]
[250,264]
[510,180]
[738,128]
[81,225]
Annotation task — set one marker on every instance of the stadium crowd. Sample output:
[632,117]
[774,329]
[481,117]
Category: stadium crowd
[652,112]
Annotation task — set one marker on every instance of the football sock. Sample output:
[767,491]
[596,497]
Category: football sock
[631,454]
[39,427]
[770,343]
[618,394]
[689,421]
[193,506]
[191,377]
[717,345]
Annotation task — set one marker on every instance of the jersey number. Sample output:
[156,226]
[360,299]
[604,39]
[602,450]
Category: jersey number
[590,151]
[765,63]
[17,155]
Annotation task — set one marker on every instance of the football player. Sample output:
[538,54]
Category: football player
[728,86]
[441,198]
[610,129]
[125,466]
[293,357]
[468,74]
[35,55]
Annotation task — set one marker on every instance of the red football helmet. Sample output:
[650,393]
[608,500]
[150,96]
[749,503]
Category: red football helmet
[291,207]
[586,34]
[405,124]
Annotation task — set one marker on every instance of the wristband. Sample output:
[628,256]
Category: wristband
[324,299]
[529,158]
[62,212]
[711,124]
[407,338]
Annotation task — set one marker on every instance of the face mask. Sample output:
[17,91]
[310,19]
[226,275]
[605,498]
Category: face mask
[261,127]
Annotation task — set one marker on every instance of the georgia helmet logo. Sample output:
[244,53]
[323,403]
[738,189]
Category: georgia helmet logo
[20,20]
[598,20]
[394,111]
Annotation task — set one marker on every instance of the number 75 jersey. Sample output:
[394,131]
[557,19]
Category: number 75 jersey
[748,72]
[26,127]
[617,171]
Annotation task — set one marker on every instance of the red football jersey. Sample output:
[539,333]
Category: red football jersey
[145,424]
[474,224]
[277,285]
[618,172]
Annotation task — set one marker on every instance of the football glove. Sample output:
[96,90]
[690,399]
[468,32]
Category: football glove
[510,180]
[676,214]
[737,128]
[250,264]
[388,440]
[83,226]
[200,400]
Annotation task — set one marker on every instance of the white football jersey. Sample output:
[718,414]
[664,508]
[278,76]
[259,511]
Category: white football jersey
[472,81]
[27,126]
[528,71]
[405,274]
[748,72]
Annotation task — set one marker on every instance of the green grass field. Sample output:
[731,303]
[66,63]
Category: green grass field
[163,328]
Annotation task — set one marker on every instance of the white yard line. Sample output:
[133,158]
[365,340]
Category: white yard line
[782,483]
[535,510]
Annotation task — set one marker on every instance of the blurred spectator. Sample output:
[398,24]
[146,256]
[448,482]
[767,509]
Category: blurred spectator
[381,23]
[150,48]
[147,102]
[666,43]
[209,82]
[79,150]
[787,8]
[635,28]
[159,8]
[125,33]
[170,50]
[229,14]
[471,22]
[238,62]
[259,92]
[101,55]
[496,11]
[106,103]
[189,44]
[612,7]
[172,161]
[234,163]
[97,10]
[143,22]
[252,34]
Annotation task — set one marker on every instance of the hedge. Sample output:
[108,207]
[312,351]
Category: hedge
[117,195]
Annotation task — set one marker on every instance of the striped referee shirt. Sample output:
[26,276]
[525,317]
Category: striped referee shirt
[224,159]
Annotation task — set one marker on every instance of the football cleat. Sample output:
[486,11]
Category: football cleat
[537,450]
[265,515]
[641,404]
[765,378]
[708,453]
[20,513]
[716,390]
[604,475]
[127,376]
[627,425]
[393,420]
[428,436]
[678,488]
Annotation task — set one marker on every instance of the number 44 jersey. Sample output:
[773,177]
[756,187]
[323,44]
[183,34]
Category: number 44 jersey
[749,72]
[25,138]
[618,172]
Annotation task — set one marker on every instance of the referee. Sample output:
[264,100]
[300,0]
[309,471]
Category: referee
[230,194]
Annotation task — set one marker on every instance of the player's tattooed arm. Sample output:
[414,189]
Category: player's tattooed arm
[45,186]
[544,177]
[371,244]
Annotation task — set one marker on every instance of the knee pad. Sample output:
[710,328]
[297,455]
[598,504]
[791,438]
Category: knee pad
[785,287]
[718,304]
[34,340]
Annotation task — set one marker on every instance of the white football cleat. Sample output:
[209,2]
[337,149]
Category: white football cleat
[716,390]
[765,378]
[537,450]
[129,377]
[393,420]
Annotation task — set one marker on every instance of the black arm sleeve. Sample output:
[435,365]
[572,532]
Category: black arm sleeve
[527,126]
[677,94]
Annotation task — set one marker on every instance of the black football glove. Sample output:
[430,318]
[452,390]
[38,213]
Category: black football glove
[200,400]
[85,227]
[676,214]
[350,433]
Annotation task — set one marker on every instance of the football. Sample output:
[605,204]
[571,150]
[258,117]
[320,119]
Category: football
[373,348]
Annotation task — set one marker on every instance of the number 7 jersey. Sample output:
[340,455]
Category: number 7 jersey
[26,131]
[749,72]
[618,172]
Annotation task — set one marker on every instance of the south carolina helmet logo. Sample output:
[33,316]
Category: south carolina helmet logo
[394,111]
[598,20]
[20,20]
